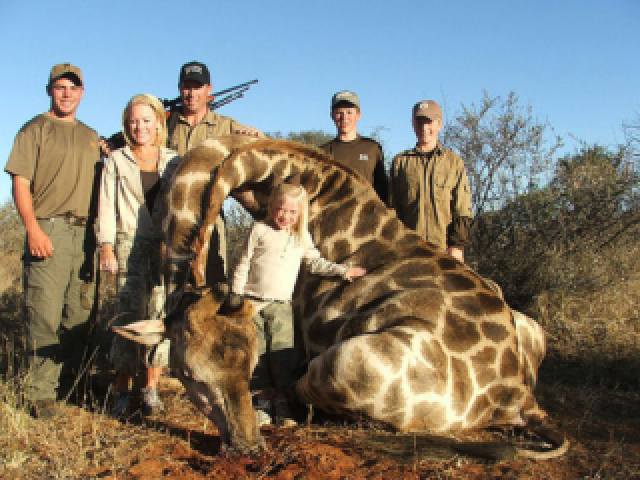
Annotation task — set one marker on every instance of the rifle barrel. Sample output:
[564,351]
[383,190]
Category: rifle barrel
[238,91]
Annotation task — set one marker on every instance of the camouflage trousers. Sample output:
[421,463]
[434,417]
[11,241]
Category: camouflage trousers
[139,296]
[274,335]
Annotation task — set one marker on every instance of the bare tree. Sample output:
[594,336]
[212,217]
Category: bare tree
[507,151]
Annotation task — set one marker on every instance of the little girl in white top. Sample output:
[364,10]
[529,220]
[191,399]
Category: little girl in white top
[267,273]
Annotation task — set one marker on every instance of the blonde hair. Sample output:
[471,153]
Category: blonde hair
[156,105]
[295,192]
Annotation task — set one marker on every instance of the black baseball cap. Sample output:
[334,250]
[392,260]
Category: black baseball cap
[195,71]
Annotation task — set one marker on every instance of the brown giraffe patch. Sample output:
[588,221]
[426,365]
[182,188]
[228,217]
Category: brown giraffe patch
[467,305]
[494,331]
[370,214]
[340,222]
[490,302]
[462,385]
[436,365]
[364,378]
[179,197]
[509,365]
[459,333]
[341,249]
[393,399]
[505,396]
[483,366]
[458,282]
[447,263]
[391,229]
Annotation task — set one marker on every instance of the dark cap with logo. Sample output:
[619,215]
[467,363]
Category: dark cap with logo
[345,98]
[65,70]
[196,71]
[427,108]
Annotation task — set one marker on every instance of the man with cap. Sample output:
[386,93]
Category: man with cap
[362,154]
[55,165]
[196,122]
[191,126]
[428,185]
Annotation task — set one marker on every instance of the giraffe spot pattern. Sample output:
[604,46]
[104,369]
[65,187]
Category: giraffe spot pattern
[458,282]
[459,333]
[462,386]
[483,364]
[494,331]
[490,302]
[447,263]
[387,350]
[509,365]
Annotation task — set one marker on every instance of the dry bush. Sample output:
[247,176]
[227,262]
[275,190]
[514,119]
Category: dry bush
[569,255]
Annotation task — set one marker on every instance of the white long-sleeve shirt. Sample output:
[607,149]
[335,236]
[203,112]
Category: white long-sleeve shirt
[270,262]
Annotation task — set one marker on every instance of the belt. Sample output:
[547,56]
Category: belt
[71,220]
[269,300]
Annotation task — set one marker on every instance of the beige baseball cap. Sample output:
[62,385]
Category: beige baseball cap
[65,70]
[345,96]
[427,108]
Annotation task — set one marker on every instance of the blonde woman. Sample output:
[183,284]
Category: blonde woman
[267,273]
[129,242]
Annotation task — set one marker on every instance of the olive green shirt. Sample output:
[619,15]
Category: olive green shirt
[431,195]
[60,158]
[364,155]
[182,137]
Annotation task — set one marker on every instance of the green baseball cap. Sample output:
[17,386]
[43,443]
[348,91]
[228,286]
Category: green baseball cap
[65,70]
[427,108]
[346,97]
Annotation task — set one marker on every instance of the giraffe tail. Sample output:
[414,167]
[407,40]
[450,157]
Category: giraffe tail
[554,443]
[415,447]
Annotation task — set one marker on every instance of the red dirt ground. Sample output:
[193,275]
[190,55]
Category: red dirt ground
[603,428]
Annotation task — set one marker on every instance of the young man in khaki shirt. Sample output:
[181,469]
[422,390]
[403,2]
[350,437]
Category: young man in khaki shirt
[428,185]
[55,166]
[362,154]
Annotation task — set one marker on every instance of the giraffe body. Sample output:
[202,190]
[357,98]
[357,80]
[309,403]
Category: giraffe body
[421,343]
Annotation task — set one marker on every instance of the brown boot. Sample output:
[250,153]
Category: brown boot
[44,409]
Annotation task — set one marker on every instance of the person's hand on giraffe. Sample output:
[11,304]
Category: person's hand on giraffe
[457,253]
[353,273]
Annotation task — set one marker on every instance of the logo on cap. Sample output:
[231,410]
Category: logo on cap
[192,69]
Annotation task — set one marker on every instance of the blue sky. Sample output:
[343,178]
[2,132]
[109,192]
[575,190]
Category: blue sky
[575,62]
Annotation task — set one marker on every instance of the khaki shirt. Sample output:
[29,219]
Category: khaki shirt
[121,205]
[429,192]
[364,155]
[60,158]
[182,137]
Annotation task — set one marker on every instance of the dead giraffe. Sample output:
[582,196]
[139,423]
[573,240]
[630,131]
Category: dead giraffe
[421,343]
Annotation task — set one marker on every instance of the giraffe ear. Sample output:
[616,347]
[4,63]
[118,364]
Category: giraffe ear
[295,180]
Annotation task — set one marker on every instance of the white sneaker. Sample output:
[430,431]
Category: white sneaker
[151,402]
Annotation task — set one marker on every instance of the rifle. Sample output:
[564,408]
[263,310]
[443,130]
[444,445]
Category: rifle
[232,93]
